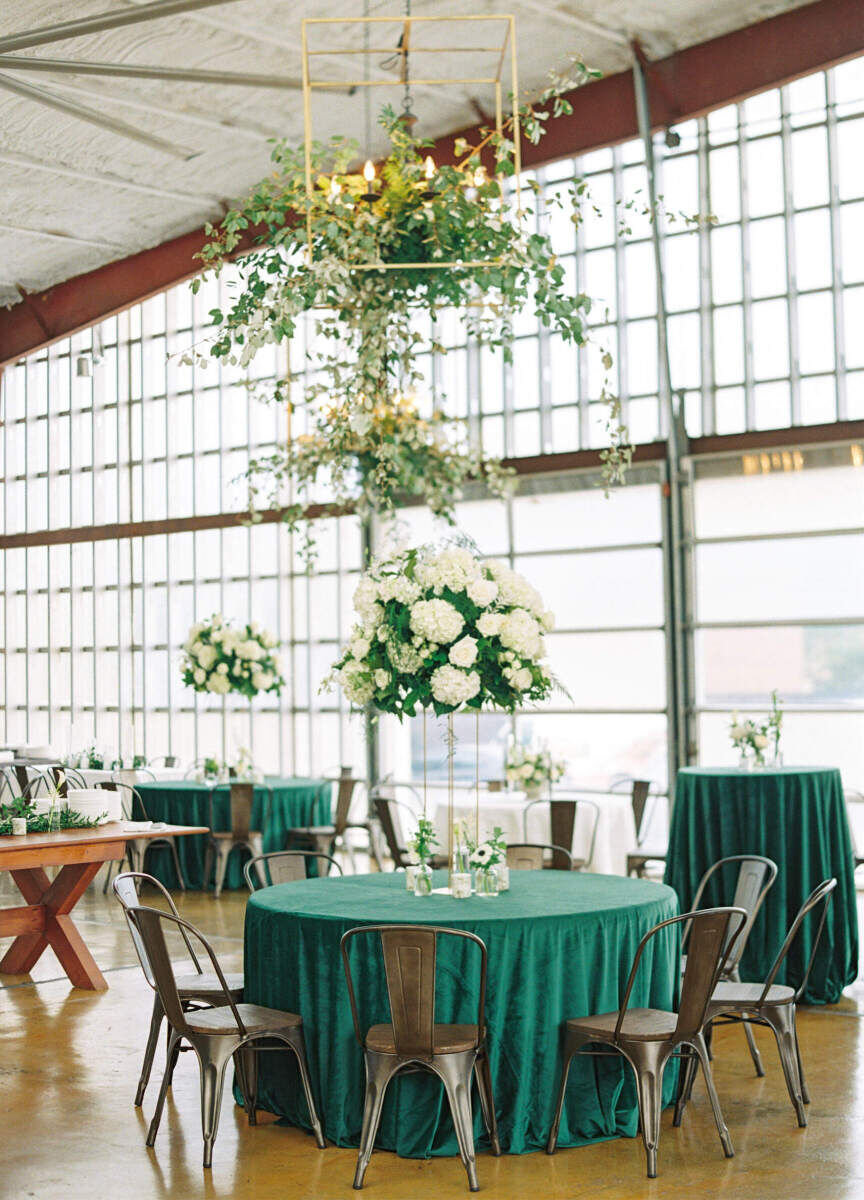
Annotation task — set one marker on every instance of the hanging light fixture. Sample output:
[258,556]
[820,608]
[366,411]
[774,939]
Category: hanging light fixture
[501,49]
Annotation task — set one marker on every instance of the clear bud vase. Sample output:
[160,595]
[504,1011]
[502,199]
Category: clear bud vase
[503,872]
[423,880]
[486,882]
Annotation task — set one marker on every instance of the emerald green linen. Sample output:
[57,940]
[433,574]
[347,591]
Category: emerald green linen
[560,945]
[185,802]
[795,815]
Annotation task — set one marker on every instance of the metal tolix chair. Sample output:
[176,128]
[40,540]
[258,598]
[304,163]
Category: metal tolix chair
[413,1040]
[195,989]
[756,875]
[137,849]
[220,843]
[217,1034]
[649,1037]
[562,824]
[388,811]
[284,866]
[534,856]
[770,1004]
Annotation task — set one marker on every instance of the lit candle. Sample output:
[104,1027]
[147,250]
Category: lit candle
[369,172]
[335,188]
[429,166]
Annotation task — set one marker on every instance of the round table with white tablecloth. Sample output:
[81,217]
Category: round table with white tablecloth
[616,829]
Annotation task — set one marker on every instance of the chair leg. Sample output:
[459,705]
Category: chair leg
[163,1090]
[212,1081]
[805,1094]
[172,845]
[297,1043]
[380,1069]
[150,1050]
[172,1053]
[754,1049]
[487,1099]
[701,1050]
[686,1079]
[781,1019]
[246,1068]
[455,1071]
[552,1143]
[648,1068]
[208,865]
[222,852]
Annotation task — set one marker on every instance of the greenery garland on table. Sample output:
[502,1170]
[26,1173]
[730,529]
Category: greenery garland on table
[340,250]
[58,818]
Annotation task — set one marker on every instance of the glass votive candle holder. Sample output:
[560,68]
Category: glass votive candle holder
[460,885]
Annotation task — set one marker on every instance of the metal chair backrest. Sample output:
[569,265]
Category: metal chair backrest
[284,866]
[410,955]
[823,894]
[167,760]
[387,811]
[562,824]
[22,774]
[531,856]
[639,802]
[241,800]
[345,786]
[709,940]
[851,796]
[131,803]
[151,923]
[126,888]
[756,875]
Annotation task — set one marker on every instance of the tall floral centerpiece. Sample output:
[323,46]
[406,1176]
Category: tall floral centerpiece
[530,770]
[442,629]
[219,657]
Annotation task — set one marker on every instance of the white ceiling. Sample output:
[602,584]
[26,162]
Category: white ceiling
[74,195]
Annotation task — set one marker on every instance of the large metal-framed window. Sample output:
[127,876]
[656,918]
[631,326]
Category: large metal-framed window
[110,427]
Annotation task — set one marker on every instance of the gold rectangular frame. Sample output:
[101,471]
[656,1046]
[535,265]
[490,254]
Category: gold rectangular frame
[310,84]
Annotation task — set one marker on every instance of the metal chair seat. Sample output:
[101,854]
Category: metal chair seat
[207,986]
[740,995]
[446,1039]
[255,1019]
[639,1025]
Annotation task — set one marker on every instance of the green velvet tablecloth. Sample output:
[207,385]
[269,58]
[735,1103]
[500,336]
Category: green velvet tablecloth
[560,945]
[186,802]
[797,817]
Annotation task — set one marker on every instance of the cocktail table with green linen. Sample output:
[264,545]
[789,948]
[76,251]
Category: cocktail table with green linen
[560,945]
[797,817]
[293,802]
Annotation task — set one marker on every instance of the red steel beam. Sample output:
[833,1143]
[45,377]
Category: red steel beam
[685,85]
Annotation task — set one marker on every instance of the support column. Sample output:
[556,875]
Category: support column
[679,698]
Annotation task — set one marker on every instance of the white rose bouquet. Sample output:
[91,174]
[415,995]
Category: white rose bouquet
[444,630]
[220,658]
[530,769]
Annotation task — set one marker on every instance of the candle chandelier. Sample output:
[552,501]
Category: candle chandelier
[429,41]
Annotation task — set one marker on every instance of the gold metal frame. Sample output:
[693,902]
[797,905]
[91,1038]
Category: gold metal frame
[310,84]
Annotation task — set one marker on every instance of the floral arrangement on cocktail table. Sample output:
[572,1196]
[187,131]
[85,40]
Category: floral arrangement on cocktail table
[531,769]
[442,629]
[219,658]
[751,738]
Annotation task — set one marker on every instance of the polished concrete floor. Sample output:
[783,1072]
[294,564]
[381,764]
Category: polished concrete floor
[69,1061]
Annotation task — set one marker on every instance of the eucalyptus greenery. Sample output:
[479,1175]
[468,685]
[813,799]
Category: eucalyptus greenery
[59,818]
[367,255]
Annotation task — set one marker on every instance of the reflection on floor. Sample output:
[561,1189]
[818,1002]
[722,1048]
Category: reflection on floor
[70,1061]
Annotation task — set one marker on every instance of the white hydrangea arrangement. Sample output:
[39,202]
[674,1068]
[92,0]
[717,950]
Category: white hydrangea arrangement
[220,658]
[530,769]
[445,630]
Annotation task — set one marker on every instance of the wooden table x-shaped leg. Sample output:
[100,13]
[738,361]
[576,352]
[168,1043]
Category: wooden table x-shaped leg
[45,921]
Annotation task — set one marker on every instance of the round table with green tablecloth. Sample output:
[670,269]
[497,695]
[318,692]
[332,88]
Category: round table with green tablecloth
[278,805]
[560,945]
[795,816]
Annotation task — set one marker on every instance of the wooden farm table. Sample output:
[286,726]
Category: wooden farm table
[44,920]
